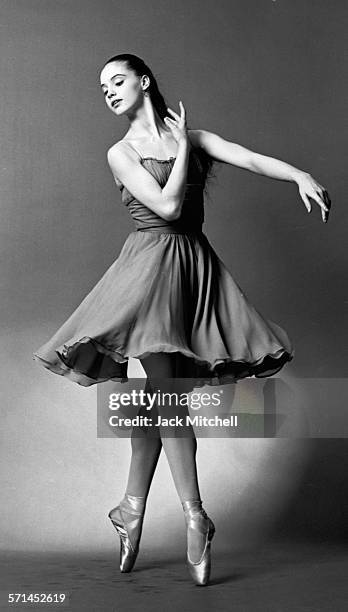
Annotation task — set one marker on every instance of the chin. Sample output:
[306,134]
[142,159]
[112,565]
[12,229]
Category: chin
[118,111]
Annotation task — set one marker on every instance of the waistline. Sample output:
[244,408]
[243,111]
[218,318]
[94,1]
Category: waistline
[170,230]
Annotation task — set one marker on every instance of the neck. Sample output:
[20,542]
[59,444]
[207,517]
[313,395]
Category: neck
[145,122]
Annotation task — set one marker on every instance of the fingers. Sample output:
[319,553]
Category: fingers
[170,110]
[327,199]
[169,121]
[323,209]
[322,198]
[182,116]
[306,202]
[325,214]
[319,201]
[182,111]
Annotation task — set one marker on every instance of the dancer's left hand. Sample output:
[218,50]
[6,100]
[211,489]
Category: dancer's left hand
[310,188]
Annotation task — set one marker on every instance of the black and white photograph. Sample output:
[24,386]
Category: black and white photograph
[174,305]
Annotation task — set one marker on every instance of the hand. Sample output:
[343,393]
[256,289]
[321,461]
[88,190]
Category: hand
[310,188]
[177,123]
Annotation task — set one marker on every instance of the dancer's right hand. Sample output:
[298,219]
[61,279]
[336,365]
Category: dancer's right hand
[177,123]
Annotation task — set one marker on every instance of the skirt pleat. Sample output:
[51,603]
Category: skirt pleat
[166,293]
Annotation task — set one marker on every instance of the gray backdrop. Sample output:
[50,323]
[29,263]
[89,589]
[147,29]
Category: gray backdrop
[265,74]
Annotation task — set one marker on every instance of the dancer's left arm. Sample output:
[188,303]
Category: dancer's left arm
[232,153]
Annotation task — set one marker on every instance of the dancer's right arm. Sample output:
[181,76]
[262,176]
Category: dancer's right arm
[127,168]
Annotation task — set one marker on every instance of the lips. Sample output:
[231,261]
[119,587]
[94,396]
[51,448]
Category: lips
[115,102]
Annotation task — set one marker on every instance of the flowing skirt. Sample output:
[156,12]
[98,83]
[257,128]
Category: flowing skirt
[166,292]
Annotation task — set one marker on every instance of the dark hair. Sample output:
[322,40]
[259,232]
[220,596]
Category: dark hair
[135,63]
[138,66]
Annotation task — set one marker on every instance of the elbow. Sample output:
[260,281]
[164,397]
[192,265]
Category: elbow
[173,215]
[172,211]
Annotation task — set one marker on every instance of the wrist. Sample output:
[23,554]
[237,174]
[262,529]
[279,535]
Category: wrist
[184,142]
[298,175]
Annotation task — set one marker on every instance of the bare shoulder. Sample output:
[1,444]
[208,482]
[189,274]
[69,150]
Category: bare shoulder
[120,152]
[121,158]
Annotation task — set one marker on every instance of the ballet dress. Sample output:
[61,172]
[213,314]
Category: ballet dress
[167,292]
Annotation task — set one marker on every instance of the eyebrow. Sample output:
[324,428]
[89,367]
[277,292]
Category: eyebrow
[115,75]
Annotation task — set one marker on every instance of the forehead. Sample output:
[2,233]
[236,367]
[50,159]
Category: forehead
[111,69]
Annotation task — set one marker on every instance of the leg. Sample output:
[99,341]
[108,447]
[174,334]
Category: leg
[128,516]
[180,452]
[181,456]
[145,454]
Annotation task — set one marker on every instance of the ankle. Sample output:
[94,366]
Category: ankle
[194,505]
[133,504]
[193,509]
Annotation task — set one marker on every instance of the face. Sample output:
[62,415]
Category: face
[122,88]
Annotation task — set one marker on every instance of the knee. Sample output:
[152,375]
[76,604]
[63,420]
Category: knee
[143,445]
[180,445]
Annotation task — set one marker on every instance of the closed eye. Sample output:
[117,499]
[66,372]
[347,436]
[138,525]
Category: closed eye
[119,83]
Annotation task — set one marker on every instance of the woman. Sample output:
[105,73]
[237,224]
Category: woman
[168,299]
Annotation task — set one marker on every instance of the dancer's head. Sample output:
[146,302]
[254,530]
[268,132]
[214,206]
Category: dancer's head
[127,78]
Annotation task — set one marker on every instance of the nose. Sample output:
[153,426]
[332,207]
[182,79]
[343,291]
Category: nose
[110,93]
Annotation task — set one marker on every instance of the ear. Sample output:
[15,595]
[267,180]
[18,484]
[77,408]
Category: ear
[145,82]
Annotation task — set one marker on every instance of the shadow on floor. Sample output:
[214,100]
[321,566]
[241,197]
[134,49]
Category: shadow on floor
[274,577]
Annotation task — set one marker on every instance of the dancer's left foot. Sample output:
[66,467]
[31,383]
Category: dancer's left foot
[200,532]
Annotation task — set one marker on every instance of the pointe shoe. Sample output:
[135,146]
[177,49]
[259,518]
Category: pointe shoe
[198,522]
[129,529]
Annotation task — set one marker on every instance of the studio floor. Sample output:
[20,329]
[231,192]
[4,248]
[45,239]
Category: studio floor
[274,577]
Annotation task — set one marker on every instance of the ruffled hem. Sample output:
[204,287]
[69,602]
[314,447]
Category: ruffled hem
[166,294]
[88,362]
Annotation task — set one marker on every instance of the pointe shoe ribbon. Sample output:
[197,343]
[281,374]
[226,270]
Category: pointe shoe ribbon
[198,522]
[129,530]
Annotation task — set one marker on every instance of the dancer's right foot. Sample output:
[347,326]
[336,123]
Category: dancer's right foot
[127,518]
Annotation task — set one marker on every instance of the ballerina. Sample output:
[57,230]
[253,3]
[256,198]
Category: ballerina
[168,299]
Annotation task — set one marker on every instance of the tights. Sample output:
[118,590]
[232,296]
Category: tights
[180,451]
